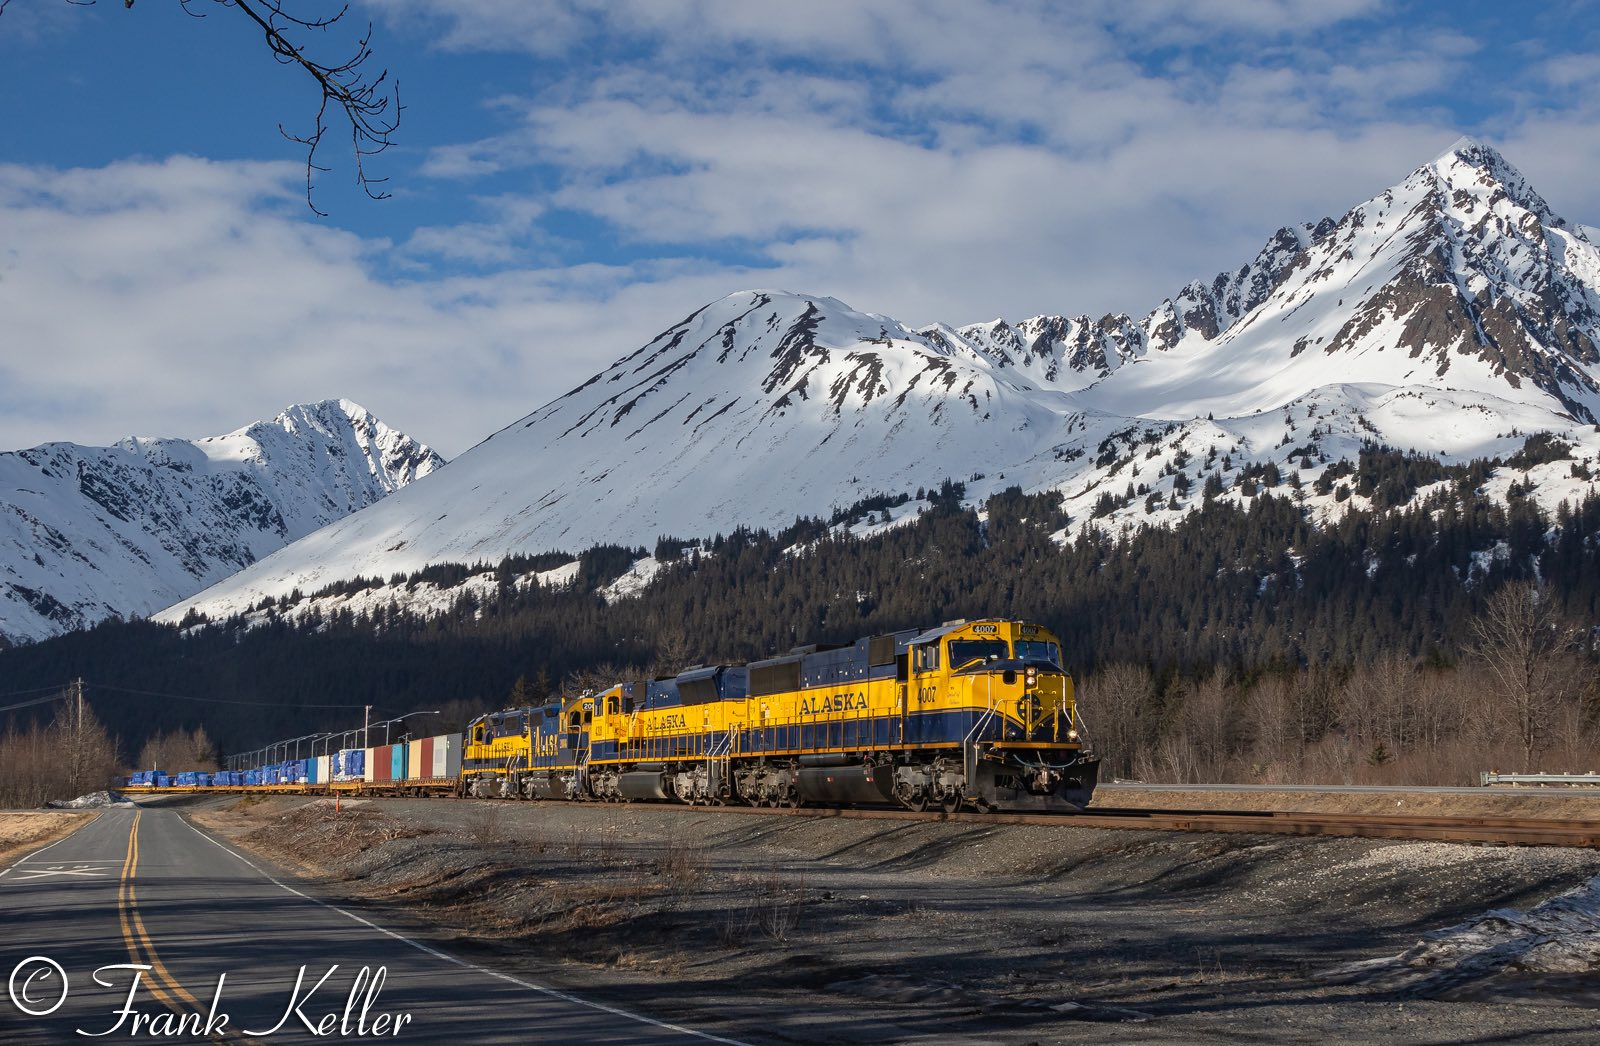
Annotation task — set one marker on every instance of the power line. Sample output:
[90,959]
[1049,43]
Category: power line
[212,700]
[59,688]
[57,696]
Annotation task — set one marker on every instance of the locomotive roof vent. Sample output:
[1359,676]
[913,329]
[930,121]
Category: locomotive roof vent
[954,623]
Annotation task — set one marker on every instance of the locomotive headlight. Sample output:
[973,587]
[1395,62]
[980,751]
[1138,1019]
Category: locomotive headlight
[1032,675]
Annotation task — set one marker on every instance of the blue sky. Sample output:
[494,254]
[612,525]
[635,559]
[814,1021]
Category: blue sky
[571,177]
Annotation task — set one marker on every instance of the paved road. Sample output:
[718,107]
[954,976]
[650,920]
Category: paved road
[143,886]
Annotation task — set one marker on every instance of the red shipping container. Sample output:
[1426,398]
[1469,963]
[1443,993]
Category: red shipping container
[383,764]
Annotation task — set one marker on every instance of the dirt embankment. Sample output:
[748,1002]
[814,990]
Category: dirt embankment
[22,831]
[829,930]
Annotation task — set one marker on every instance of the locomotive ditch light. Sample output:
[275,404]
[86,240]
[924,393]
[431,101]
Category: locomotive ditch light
[1072,735]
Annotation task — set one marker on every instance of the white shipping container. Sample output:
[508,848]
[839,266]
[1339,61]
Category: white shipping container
[447,756]
[324,769]
[369,767]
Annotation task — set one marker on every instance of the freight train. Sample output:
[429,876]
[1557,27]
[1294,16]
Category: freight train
[973,715]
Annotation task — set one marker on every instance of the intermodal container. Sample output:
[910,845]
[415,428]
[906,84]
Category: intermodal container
[397,761]
[351,766]
[324,765]
[380,765]
[419,759]
[447,756]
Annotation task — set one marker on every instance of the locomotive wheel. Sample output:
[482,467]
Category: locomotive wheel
[793,800]
[952,803]
[919,804]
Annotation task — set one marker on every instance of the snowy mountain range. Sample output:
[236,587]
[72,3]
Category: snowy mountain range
[1452,314]
[88,533]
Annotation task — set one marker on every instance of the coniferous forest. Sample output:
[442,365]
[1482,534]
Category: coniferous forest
[1244,643]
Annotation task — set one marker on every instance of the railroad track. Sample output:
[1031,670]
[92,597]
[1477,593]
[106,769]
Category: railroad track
[1501,831]
[1496,831]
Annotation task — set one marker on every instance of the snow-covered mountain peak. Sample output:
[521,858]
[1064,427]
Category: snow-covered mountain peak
[1474,168]
[89,532]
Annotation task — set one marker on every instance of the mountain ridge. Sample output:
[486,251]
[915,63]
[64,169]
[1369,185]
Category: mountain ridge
[1447,313]
[88,533]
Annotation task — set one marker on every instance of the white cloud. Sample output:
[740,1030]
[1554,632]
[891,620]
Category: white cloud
[188,297]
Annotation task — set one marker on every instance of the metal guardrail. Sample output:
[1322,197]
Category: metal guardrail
[1489,778]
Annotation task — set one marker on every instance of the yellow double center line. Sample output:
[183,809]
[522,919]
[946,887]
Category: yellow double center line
[141,949]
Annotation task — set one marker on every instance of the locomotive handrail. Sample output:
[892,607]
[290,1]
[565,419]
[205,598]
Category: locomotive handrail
[969,748]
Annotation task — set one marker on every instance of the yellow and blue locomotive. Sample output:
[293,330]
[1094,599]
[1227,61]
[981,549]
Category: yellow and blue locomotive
[536,752]
[978,714]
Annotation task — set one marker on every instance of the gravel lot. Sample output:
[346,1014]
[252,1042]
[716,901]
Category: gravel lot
[828,930]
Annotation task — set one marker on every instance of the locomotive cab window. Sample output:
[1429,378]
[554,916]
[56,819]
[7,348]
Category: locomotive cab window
[1039,650]
[927,657]
[964,652]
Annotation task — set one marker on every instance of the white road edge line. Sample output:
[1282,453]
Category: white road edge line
[427,949]
[35,853]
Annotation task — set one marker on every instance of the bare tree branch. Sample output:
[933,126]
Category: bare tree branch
[369,104]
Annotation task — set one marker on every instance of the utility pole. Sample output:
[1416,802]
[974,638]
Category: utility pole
[78,755]
[366,718]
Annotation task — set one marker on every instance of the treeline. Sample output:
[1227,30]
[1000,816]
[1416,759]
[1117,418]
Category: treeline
[177,751]
[1522,698]
[62,757]
[1229,601]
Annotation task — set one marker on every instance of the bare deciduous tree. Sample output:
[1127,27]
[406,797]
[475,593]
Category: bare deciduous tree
[178,751]
[368,104]
[69,757]
[1272,714]
[1531,658]
[1114,701]
[674,651]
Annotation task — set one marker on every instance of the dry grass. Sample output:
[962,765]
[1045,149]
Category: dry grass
[485,825]
[769,906]
[21,832]
[682,866]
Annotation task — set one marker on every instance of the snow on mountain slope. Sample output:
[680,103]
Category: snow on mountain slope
[1460,277]
[1451,314]
[91,532]
[751,410]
